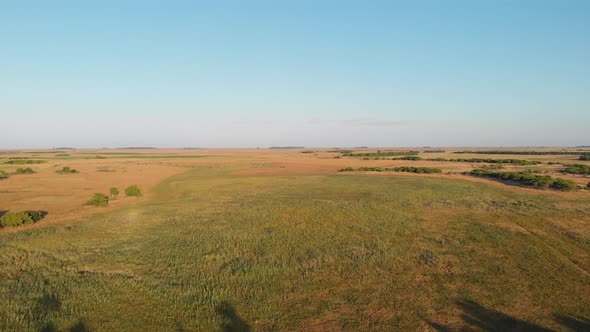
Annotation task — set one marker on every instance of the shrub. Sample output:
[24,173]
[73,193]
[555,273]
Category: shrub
[133,190]
[114,192]
[27,170]
[588,185]
[66,170]
[346,169]
[562,184]
[98,199]
[11,219]
[577,169]
[3,175]
[584,156]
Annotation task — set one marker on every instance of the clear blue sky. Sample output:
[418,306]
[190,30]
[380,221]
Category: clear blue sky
[312,73]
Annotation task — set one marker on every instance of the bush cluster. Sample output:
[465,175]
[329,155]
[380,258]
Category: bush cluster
[527,179]
[577,169]
[66,170]
[3,175]
[11,219]
[27,170]
[585,156]
[409,169]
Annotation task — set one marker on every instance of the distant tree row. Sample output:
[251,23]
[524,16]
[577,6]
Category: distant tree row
[577,169]
[491,161]
[531,153]
[25,161]
[409,158]
[527,179]
[410,169]
[380,153]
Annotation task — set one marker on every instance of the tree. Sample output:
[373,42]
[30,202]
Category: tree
[98,199]
[133,190]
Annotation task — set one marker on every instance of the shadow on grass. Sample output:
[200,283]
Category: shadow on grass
[575,323]
[2,212]
[80,326]
[230,319]
[475,315]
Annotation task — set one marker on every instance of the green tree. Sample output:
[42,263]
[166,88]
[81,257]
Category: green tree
[98,199]
[133,190]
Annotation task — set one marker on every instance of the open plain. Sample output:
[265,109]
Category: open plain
[280,239]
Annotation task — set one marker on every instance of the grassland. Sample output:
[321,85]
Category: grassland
[282,241]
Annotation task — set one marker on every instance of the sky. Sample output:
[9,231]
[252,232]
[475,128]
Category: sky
[217,74]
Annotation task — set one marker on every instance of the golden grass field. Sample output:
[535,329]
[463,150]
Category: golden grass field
[278,239]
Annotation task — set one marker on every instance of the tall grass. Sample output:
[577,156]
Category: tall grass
[329,252]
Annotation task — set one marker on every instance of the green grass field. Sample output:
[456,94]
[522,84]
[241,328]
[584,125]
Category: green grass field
[212,251]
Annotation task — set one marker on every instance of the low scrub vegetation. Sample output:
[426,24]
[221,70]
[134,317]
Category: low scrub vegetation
[66,170]
[25,161]
[527,179]
[577,169]
[27,170]
[584,156]
[3,175]
[409,169]
[133,190]
[12,219]
[519,162]
[98,199]
[434,151]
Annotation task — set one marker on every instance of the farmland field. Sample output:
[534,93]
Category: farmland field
[270,240]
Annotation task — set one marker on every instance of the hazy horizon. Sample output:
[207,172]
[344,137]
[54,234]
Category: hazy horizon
[313,74]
